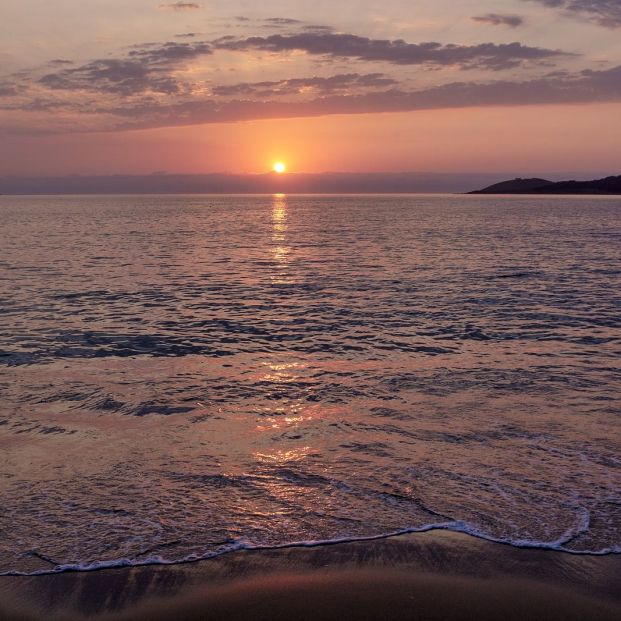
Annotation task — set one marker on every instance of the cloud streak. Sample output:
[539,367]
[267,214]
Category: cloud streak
[295,86]
[399,52]
[495,19]
[180,6]
[282,21]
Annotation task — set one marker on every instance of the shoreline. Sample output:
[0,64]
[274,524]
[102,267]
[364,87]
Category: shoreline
[430,570]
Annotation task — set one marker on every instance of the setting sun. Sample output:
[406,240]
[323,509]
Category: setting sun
[279,167]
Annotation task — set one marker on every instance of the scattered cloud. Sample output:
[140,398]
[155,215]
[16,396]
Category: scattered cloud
[122,77]
[170,53]
[144,69]
[603,12]
[165,83]
[495,19]
[181,6]
[153,68]
[399,52]
[8,90]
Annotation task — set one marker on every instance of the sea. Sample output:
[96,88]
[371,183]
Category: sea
[185,376]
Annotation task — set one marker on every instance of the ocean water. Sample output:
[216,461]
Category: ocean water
[182,376]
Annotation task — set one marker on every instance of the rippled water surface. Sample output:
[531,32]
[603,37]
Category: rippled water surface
[181,376]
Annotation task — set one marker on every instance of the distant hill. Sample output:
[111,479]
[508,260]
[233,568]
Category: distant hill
[609,185]
[515,186]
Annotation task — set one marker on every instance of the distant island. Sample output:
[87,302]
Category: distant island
[609,185]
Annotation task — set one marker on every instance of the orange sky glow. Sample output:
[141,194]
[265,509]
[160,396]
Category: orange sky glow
[461,140]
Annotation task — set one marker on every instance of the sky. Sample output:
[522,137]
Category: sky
[142,86]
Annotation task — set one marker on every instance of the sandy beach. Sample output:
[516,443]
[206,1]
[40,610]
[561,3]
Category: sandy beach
[439,575]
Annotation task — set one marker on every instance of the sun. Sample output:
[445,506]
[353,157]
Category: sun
[280,167]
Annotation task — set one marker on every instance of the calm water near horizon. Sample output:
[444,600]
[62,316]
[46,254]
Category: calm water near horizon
[181,376]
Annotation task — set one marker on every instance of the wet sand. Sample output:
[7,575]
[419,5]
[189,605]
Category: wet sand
[437,576]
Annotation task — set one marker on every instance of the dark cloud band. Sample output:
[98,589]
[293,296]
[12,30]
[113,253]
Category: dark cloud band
[584,87]
[336,45]
[603,12]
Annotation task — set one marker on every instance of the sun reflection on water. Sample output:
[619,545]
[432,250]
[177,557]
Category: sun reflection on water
[282,457]
[280,249]
[281,372]
[294,412]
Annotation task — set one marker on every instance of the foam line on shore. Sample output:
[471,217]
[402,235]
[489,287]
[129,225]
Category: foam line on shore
[456,527]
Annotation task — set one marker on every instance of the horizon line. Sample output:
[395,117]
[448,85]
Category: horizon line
[289,174]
